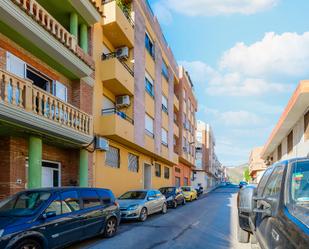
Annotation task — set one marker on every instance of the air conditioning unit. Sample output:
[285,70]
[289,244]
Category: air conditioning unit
[122,101]
[101,144]
[122,53]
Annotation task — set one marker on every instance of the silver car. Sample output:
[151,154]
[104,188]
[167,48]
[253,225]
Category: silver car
[138,204]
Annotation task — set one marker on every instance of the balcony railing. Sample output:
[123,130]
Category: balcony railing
[125,12]
[124,116]
[21,93]
[122,61]
[49,23]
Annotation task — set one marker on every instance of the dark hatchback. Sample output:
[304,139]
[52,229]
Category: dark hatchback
[56,217]
[174,196]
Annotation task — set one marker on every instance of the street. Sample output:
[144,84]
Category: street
[208,223]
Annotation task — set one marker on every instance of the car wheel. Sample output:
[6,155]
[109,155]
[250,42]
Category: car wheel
[184,201]
[175,204]
[242,235]
[164,209]
[28,244]
[110,228]
[143,215]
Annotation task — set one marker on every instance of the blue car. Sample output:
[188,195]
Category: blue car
[56,217]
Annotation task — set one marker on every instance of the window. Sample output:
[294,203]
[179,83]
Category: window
[165,70]
[164,104]
[70,201]
[185,181]
[177,182]
[60,91]
[149,45]
[279,152]
[177,170]
[15,65]
[164,137]
[158,170]
[263,182]
[149,125]
[166,173]
[290,142]
[306,126]
[133,162]
[90,198]
[55,206]
[112,157]
[274,183]
[149,85]
[298,191]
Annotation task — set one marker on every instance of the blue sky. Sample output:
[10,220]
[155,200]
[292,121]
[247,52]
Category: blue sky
[245,58]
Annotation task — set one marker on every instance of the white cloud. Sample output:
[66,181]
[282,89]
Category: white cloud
[240,118]
[275,55]
[219,7]
[267,66]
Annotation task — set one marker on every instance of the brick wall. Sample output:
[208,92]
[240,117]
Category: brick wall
[13,153]
[82,96]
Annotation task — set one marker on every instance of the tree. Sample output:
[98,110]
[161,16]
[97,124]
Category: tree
[246,174]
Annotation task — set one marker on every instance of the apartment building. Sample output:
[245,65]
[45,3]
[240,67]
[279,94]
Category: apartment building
[257,165]
[185,119]
[290,137]
[46,87]
[209,171]
[134,99]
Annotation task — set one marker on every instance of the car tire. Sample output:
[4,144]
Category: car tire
[242,235]
[110,228]
[28,243]
[164,209]
[175,204]
[143,214]
[183,201]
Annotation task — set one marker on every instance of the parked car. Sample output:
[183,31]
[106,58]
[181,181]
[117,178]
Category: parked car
[189,193]
[242,184]
[139,204]
[56,217]
[174,196]
[275,213]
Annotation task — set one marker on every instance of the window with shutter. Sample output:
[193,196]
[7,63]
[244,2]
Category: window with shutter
[164,136]
[133,162]
[149,125]
[112,158]
[15,65]
[290,142]
[158,169]
[60,91]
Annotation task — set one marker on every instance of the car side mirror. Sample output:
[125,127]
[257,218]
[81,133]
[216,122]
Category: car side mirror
[265,205]
[150,198]
[49,214]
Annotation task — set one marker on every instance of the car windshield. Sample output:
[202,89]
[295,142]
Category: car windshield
[186,189]
[167,190]
[133,195]
[298,203]
[23,204]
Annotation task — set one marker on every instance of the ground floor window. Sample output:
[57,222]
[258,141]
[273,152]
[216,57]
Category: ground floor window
[112,157]
[185,181]
[166,173]
[177,182]
[158,170]
[133,162]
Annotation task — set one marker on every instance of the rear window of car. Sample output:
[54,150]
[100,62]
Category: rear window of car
[298,189]
[106,195]
[90,198]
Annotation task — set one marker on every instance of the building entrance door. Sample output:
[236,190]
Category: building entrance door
[50,174]
[147,176]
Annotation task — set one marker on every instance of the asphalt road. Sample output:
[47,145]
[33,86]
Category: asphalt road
[208,223]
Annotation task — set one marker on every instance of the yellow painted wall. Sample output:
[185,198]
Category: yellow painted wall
[149,105]
[165,120]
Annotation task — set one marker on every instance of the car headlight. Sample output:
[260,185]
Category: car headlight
[169,198]
[1,232]
[133,207]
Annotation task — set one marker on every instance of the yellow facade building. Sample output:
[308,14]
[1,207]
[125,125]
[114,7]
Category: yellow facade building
[134,99]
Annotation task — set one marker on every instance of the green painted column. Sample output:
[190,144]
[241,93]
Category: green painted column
[83,168]
[74,24]
[35,162]
[84,37]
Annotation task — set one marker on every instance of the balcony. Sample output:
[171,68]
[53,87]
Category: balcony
[27,105]
[118,25]
[35,24]
[176,130]
[176,102]
[88,10]
[117,125]
[116,75]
